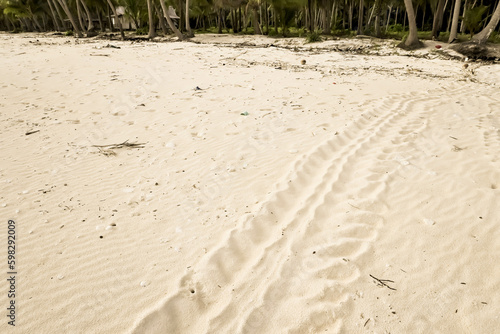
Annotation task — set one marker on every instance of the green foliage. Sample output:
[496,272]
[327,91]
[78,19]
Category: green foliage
[473,18]
[494,38]
[69,33]
[395,28]
[314,37]
[142,31]
[135,10]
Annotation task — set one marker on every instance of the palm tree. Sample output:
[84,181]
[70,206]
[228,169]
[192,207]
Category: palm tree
[90,24]
[454,22]
[113,9]
[152,30]
[71,18]
[483,36]
[169,21]
[412,41]
[54,18]
[188,26]
[438,19]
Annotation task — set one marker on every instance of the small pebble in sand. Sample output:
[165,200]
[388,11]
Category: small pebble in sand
[109,228]
[303,61]
[170,145]
[4,205]
[293,151]
[144,284]
[60,277]
[429,222]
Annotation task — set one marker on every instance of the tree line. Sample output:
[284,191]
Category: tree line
[478,18]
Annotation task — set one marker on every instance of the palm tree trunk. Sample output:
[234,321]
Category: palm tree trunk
[412,40]
[378,11]
[350,16]
[454,24]
[482,37]
[255,22]
[163,25]
[90,25]
[327,27]
[52,12]
[462,25]
[219,21]
[101,24]
[188,26]
[169,21]
[71,18]
[58,10]
[388,18]
[438,20]
[35,21]
[79,14]
[113,9]
[360,17]
[110,21]
[152,30]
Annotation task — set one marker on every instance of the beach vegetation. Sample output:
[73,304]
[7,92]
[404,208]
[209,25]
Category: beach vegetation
[408,20]
[314,37]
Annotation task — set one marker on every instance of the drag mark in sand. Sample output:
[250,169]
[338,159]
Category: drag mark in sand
[305,241]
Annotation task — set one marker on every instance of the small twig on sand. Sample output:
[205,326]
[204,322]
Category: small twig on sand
[121,145]
[31,132]
[382,282]
[354,206]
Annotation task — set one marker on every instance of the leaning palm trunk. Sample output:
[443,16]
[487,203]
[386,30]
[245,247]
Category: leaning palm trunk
[90,24]
[113,9]
[79,13]
[71,18]
[151,19]
[483,36]
[454,23]
[188,26]
[159,13]
[169,21]
[412,40]
[52,12]
[59,13]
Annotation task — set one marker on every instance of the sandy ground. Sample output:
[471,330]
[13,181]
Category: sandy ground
[267,196]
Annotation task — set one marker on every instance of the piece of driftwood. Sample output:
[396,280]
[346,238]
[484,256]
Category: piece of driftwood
[31,132]
[382,282]
[121,145]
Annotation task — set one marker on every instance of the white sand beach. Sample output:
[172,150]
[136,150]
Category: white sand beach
[356,193]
